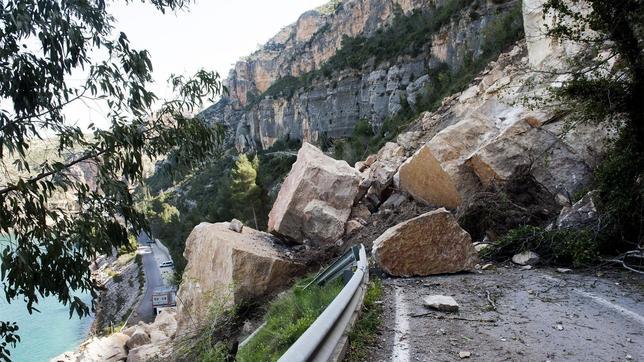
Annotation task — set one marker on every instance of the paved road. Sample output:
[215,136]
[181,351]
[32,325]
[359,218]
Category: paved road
[145,311]
[514,315]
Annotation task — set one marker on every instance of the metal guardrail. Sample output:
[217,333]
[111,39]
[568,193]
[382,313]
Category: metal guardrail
[333,271]
[325,339]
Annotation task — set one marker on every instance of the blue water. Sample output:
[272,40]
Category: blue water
[46,334]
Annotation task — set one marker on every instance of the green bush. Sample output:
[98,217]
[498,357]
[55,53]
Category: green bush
[620,200]
[576,247]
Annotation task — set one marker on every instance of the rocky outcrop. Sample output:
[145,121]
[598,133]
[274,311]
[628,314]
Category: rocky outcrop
[138,343]
[431,243]
[331,105]
[98,349]
[158,335]
[122,289]
[315,199]
[226,267]
[481,136]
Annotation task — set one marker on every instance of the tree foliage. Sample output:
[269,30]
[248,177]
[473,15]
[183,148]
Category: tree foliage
[606,86]
[43,45]
[244,189]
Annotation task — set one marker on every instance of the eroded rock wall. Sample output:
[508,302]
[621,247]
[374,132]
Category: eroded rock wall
[331,106]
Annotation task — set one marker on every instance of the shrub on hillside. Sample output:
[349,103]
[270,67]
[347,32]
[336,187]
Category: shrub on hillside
[576,247]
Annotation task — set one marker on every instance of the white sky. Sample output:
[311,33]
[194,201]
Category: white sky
[212,34]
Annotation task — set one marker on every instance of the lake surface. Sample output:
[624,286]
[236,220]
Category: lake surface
[46,334]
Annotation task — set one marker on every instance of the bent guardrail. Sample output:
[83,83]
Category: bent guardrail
[325,339]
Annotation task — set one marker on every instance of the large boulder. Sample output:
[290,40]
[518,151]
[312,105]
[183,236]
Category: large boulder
[315,199]
[563,164]
[226,267]
[435,174]
[431,243]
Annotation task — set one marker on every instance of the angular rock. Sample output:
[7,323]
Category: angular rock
[481,246]
[138,338]
[394,201]
[225,267]
[432,243]
[353,226]
[150,352]
[360,211]
[166,323]
[236,225]
[582,214]
[464,354]
[441,302]
[423,177]
[370,160]
[315,199]
[526,258]
[436,174]
[382,171]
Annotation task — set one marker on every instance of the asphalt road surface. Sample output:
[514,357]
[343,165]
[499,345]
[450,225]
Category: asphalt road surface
[515,315]
[145,311]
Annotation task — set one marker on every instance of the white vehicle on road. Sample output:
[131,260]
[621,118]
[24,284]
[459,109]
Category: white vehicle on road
[166,264]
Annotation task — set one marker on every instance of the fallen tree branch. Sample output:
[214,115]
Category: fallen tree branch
[489,300]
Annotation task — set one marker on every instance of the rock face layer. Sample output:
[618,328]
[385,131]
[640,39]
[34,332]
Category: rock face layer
[225,267]
[330,106]
[431,243]
[315,199]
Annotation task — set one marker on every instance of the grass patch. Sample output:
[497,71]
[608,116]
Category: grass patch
[364,332]
[287,318]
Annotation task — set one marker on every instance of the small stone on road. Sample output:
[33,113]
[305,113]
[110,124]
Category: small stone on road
[441,302]
[526,258]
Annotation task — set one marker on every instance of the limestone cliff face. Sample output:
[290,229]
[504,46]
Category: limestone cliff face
[331,106]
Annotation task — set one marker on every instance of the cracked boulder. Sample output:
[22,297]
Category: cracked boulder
[432,243]
[315,200]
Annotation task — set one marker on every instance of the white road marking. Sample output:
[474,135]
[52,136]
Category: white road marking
[618,308]
[401,328]
[601,301]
